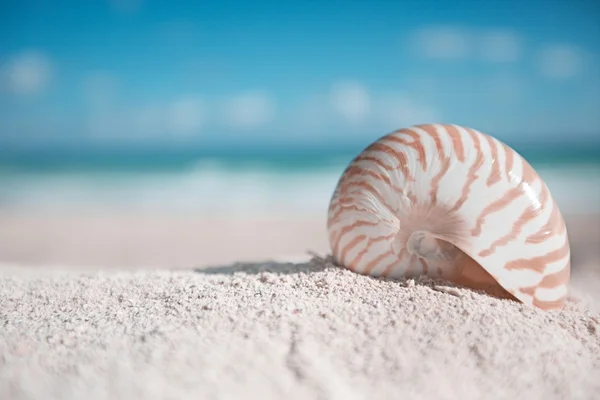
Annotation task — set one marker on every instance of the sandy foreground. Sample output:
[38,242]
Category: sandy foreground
[155,307]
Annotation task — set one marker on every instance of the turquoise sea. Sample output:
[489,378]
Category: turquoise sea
[234,181]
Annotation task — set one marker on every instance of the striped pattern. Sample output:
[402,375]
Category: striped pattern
[451,202]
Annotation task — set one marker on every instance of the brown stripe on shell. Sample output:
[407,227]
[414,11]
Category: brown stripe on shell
[348,228]
[472,174]
[373,159]
[550,305]
[543,304]
[526,216]
[350,245]
[554,226]
[445,164]
[400,157]
[457,143]
[553,280]
[435,182]
[539,263]
[370,243]
[367,186]
[509,160]
[388,269]
[556,279]
[496,206]
[415,144]
[373,263]
[433,133]
[494,176]
[356,171]
[345,208]
[529,175]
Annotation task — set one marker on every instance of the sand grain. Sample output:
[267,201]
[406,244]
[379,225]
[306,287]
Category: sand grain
[274,331]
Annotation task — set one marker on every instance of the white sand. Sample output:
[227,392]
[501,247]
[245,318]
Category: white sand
[102,305]
[106,239]
[282,331]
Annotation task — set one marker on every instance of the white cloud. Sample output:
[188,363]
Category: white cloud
[107,116]
[442,42]
[183,117]
[27,73]
[100,95]
[146,121]
[501,46]
[399,110]
[350,101]
[106,125]
[504,88]
[100,89]
[452,42]
[187,115]
[249,110]
[311,113]
[560,61]
[353,103]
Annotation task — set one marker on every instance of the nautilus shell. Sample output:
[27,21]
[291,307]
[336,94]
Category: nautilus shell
[452,203]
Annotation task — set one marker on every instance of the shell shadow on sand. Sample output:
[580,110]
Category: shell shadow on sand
[319,263]
[315,264]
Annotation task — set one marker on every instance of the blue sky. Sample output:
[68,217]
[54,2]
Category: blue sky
[155,71]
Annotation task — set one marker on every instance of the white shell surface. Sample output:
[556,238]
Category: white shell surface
[436,199]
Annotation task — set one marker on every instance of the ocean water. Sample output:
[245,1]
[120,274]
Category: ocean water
[236,183]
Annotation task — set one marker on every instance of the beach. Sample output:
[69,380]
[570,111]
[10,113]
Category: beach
[259,201]
[158,306]
[93,238]
[215,282]
[154,239]
[281,330]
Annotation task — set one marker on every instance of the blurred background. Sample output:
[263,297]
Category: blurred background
[155,133]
